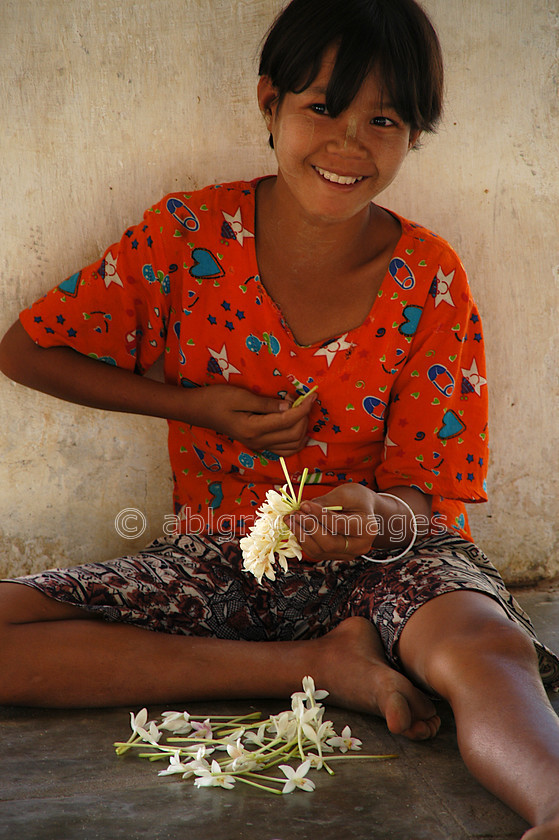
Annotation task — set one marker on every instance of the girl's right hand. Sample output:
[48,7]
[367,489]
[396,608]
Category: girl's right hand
[257,422]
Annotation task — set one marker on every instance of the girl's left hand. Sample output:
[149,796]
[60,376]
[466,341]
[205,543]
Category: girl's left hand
[328,534]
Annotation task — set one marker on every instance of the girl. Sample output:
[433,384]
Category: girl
[255,293]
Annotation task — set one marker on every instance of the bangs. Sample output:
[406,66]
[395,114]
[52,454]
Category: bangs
[392,37]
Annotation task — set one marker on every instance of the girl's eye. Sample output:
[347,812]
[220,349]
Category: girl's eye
[319,108]
[383,122]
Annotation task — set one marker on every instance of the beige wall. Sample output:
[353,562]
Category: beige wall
[108,104]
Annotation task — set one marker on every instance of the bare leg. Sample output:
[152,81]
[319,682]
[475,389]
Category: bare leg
[464,647]
[56,655]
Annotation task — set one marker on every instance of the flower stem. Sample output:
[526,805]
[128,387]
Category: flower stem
[256,785]
[302,397]
[345,756]
[302,484]
[288,478]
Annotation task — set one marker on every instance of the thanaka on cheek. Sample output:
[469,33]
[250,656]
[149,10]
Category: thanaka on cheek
[292,142]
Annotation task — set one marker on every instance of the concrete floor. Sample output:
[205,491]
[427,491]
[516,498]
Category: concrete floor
[60,780]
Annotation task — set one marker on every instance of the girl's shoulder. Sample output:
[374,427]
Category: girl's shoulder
[205,199]
[426,267]
[222,210]
[418,238]
[426,260]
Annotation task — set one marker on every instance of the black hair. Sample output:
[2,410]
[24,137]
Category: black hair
[395,36]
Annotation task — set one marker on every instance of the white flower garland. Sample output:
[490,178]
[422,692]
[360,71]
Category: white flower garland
[270,538]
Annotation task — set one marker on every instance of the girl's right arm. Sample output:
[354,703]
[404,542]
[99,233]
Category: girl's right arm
[258,422]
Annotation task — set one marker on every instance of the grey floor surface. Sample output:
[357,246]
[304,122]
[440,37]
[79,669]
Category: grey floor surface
[60,780]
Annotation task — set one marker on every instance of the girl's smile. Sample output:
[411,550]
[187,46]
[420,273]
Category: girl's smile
[342,180]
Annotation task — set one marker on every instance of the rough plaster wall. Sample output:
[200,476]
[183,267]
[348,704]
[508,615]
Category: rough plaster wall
[489,183]
[108,104]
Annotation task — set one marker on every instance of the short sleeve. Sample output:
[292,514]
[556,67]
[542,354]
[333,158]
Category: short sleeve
[436,432]
[115,310]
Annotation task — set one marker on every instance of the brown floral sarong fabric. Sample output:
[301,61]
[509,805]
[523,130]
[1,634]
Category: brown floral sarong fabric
[196,586]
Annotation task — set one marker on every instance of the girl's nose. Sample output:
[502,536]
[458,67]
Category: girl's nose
[346,139]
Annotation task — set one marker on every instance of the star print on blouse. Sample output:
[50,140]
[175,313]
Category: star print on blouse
[334,347]
[111,273]
[235,225]
[473,377]
[225,365]
[444,282]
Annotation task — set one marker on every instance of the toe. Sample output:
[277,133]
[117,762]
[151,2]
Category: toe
[419,731]
[397,713]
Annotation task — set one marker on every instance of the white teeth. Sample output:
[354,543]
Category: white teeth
[338,179]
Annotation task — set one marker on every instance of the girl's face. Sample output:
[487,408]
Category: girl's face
[334,166]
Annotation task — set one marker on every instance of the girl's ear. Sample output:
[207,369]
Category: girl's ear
[267,99]
[414,139]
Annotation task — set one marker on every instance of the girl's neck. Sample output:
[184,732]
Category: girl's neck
[307,240]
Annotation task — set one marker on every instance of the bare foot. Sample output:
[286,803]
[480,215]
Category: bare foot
[545,831]
[353,668]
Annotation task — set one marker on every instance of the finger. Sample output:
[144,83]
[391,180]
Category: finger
[277,441]
[255,404]
[287,450]
[293,438]
[280,426]
[317,542]
[312,528]
[338,535]
[334,522]
[306,539]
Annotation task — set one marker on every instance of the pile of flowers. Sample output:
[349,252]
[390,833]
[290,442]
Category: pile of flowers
[221,750]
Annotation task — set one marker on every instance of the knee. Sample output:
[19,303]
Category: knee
[492,646]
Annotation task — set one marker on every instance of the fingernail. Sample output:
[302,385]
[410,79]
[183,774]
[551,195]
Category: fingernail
[283,406]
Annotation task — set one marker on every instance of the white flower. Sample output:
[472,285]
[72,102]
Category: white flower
[231,740]
[284,725]
[296,778]
[243,759]
[302,714]
[198,763]
[202,752]
[317,761]
[256,737]
[270,538]
[195,767]
[345,742]
[213,777]
[138,724]
[202,730]
[310,693]
[318,735]
[175,765]
[279,737]
[177,722]
[237,750]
